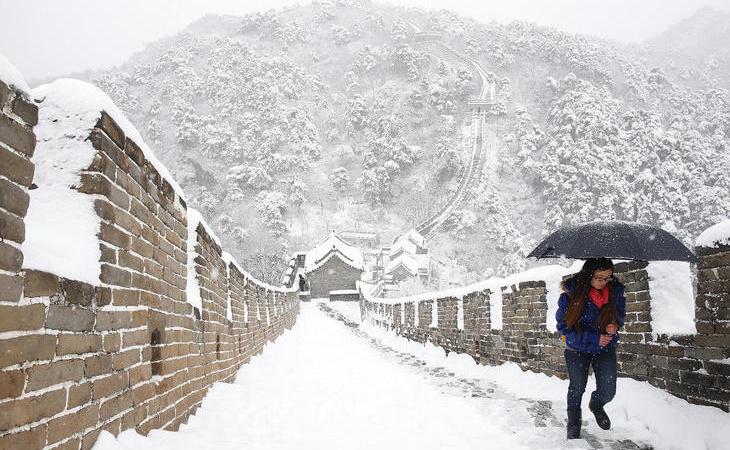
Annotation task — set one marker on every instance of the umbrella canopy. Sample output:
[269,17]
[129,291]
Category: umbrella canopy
[613,239]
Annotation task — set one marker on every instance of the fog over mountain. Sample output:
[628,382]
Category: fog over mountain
[283,125]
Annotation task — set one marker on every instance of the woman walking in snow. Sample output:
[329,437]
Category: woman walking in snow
[591,310]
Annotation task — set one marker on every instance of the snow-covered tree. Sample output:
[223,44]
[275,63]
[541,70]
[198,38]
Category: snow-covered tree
[340,179]
[249,177]
[375,185]
[340,35]
[271,206]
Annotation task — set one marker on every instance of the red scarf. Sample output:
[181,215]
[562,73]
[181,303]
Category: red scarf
[599,298]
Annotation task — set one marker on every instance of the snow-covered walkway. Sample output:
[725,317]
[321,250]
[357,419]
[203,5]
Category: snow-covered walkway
[327,384]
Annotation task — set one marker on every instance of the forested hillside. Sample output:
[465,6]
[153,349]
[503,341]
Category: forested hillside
[282,125]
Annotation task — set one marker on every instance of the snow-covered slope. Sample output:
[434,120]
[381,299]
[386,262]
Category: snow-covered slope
[284,125]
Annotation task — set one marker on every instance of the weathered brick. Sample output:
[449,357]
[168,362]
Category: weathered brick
[88,440]
[15,167]
[144,282]
[113,320]
[27,317]
[79,394]
[105,209]
[110,127]
[40,284]
[143,393]
[66,426]
[128,222]
[114,236]
[11,258]
[103,296]
[108,254]
[26,348]
[97,365]
[26,110]
[715,260]
[5,93]
[31,409]
[139,374]
[78,343]
[11,383]
[125,297]
[11,227]
[125,359]
[13,198]
[115,276]
[705,353]
[134,152]
[134,417]
[69,318]
[110,385]
[713,340]
[704,327]
[32,439]
[112,342]
[11,287]
[140,318]
[71,444]
[134,338]
[114,406]
[44,375]
[78,292]
[141,247]
[17,136]
[126,259]
[140,211]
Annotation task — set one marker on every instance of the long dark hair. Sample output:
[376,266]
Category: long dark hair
[581,285]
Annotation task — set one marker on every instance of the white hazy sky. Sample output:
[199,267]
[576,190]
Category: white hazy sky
[50,38]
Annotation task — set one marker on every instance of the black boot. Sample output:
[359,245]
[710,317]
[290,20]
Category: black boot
[574,417]
[601,416]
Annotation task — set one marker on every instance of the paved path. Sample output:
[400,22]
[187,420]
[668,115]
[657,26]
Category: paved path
[326,384]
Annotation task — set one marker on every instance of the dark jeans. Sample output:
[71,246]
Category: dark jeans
[604,367]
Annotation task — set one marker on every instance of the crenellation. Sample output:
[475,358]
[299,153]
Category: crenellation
[102,345]
[693,367]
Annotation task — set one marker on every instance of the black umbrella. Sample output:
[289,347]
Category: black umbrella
[613,239]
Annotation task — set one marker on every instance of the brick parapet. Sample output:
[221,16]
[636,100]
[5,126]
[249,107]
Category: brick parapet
[18,116]
[130,352]
[693,367]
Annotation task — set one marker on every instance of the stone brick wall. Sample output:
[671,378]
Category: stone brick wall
[694,367]
[18,116]
[130,352]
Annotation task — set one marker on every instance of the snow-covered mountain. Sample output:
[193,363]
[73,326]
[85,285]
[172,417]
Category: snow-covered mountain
[285,124]
[696,47]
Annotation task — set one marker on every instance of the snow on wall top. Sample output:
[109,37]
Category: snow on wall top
[351,255]
[406,261]
[672,299]
[412,235]
[195,218]
[11,76]
[86,101]
[61,224]
[411,262]
[406,245]
[716,235]
[552,275]
[192,287]
[543,273]
[230,259]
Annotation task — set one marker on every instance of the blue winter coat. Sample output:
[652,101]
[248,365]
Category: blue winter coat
[587,339]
